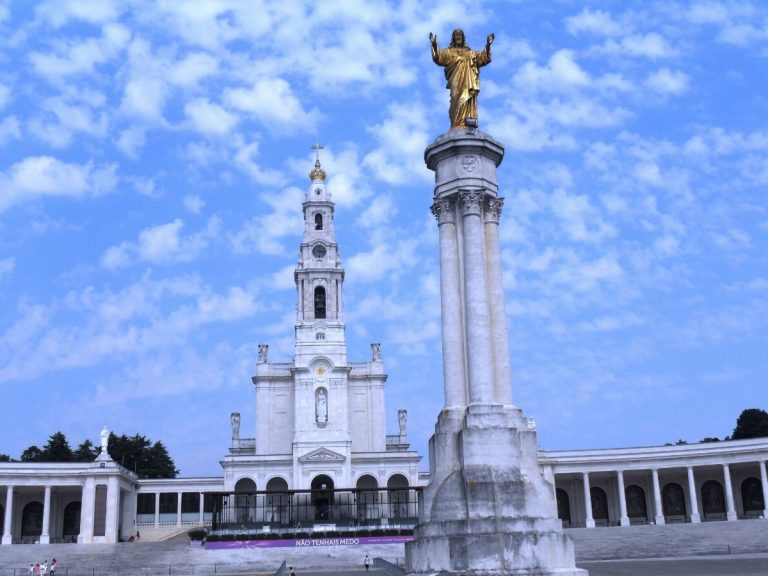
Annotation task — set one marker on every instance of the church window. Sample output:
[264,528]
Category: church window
[318,221]
[319,302]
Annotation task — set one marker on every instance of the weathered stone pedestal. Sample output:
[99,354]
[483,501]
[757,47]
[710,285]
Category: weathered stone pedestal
[488,509]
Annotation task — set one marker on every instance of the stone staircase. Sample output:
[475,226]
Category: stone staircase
[176,556]
[671,540]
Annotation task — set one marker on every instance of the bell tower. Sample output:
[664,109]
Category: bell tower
[319,278]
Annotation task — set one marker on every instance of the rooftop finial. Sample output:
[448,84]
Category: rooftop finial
[317,172]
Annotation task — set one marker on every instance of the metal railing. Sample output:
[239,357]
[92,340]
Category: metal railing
[315,510]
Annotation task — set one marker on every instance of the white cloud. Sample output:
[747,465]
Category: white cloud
[651,45]
[593,21]
[191,70]
[40,176]
[82,56]
[162,244]
[6,266]
[9,129]
[244,160]
[209,118]
[131,141]
[666,81]
[562,72]
[61,12]
[194,203]
[272,102]
[5,96]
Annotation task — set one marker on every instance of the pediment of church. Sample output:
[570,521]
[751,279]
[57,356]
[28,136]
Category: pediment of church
[322,455]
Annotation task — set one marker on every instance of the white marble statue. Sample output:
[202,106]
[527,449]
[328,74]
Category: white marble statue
[234,420]
[402,420]
[104,436]
[321,405]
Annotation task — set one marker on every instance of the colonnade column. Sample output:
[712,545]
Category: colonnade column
[7,532]
[112,516]
[178,508]
[624,519]
[45,536]
[201,519]
[454,369]
[157,509]
[502,376]
[479,352]
[731,509]
[695,517]
[590,522]
[764,481]
[659,519]
[87,509]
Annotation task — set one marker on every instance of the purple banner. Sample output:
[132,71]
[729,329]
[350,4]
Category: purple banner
[308,542]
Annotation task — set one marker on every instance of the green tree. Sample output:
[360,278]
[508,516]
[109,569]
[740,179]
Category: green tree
[5,458]
[139,454]
[752,423]
[31,454]
[709,439]
[57,449]
[86,452]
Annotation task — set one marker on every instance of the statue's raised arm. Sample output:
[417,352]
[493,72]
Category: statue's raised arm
[462,74]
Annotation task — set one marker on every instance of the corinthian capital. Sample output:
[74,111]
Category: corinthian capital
[443,211]
[471,202]
[493,209]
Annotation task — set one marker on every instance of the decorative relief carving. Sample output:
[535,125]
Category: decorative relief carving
[471,202]
[469,163]
[444,212]
[322,455]
[493,210]
[337,383]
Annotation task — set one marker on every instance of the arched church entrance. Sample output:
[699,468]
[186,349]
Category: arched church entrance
[563,507]
[71,523]
[637,508]
[599,505]
[245,501]
[673,501]
[752,497]
[713,500]
[367,499]
[322,497]
[32,520]
[278,502]
[398,496]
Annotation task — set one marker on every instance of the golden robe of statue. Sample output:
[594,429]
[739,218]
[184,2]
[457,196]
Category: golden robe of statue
[462,73]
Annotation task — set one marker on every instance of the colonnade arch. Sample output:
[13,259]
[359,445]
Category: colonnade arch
[367,498]
[712,498]
[278,504]
[32,519]
[563,506]
[71,520]
[673,500]
[322,496]
[752,496]
[398,496]
[245,500]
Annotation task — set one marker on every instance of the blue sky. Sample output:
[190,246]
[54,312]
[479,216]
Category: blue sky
[154,155]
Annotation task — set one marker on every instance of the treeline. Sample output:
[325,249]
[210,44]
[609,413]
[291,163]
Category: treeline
[751,423]
[136,453]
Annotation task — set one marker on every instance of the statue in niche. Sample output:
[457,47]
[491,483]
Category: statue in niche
[234,420]
[402,420]
[321,405]
[462,75]
[376,352]
[263,352]
[104,437]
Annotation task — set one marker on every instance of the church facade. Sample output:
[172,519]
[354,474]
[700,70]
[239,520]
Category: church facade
[320,419]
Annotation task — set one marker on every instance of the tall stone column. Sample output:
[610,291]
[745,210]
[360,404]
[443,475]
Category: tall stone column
[450,306]
[201,517]
[623,519]
[764,482]
[499,335]
[589,521]
[178,508]
[487,509]
[157,509]
[87,510]
[730,508]
[695,516]
[480,355]
[659,519]
[7,527]
[45,536]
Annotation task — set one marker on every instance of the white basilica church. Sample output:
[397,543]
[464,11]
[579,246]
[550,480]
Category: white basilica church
[321,440]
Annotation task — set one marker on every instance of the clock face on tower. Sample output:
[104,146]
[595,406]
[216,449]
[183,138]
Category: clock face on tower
[318,251]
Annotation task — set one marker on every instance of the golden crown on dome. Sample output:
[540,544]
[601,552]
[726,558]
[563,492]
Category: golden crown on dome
[317,173]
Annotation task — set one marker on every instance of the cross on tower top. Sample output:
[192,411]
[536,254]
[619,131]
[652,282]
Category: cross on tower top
[317,147]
